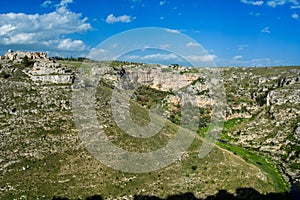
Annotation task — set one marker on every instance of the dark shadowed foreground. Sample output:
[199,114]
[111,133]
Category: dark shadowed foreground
[241,193]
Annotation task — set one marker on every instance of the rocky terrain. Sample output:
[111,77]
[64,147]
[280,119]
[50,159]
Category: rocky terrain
[269,99]
[43,157]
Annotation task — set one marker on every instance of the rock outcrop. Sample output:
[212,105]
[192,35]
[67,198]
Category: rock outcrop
[44,70]
[19,55]
[49,72]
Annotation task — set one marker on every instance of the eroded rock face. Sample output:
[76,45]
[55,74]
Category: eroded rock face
[19,55]
[157,79]
[171,81]
[49,72]
[284,96]
[44,70]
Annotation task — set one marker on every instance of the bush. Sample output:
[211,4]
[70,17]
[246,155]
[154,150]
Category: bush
[262,99]
[27,62]
[4,75]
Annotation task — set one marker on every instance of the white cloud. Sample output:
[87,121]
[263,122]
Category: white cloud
[272,3]
[5,29]
[153,58]
[295,7]
[45,4]
[21,38]
[275,3]
[294,2]
[65,2]
[100,54]
[172,31]
[169,58]
[260,61]
[111,19]
[265,30]
[192,44]
[47,31]
[205,58]
[242,47]
[295,16]
[256,14]
[257,3]
[69,44]
[249,62]
[42,27]
[162,3]
[254,3]
[237,57]
[134,3]
[160,56]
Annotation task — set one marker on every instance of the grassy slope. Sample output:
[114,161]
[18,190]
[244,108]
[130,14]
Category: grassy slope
[264,163]
[250,156]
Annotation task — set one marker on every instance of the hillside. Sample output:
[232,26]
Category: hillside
[44,156]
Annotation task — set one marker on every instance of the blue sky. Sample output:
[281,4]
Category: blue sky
[233,32]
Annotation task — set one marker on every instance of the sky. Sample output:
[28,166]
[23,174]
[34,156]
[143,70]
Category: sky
[229,32]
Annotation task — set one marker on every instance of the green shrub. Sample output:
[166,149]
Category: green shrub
[4,75]
[27,62]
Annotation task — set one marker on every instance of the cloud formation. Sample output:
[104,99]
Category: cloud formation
[259,62]
[237,57]
[265,30]
[169,58]
[47,31]
[65,2]
[69,44]
[295,16]
[256,14]
[204,58]
[254,3]
[242,47]
[45,4]
[275,3]
[161,3]
[111,19]
[192,44]
[172,31]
